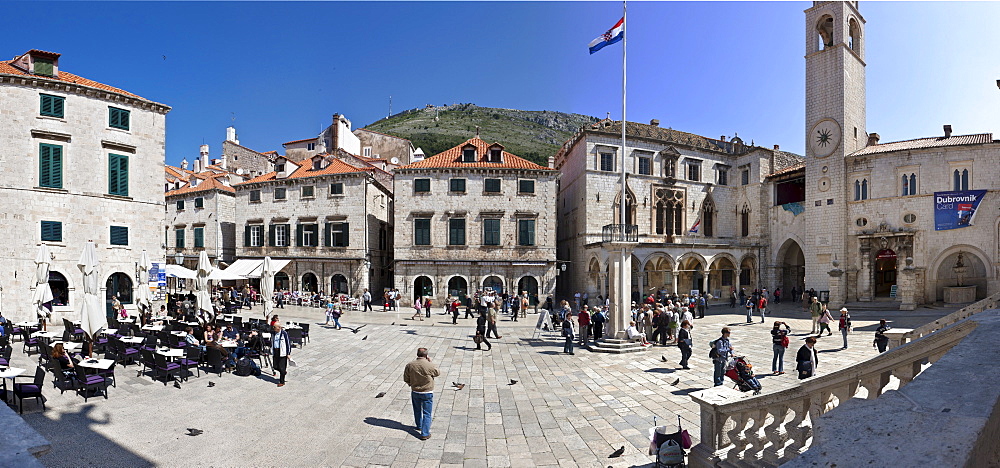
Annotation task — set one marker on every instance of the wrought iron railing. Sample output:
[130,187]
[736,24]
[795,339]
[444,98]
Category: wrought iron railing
[620,233]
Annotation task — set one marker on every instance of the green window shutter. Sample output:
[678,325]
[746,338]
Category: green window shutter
[199,237]
[44,165]
[113,117]
[346,229]
[118,175]
[58,106]
[118,118]
[113,174]
[119,235]
[51,231]
[56,167]
[199,202]
[270,235]
[179,238]
[46,108]
[52,106]
[298,235]
[326,235]
[246,236]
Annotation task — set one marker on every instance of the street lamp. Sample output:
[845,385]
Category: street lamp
[179,258]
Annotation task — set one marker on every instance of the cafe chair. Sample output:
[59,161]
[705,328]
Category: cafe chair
[61,379]
[295,336]
[165,368]
[148,361]
[305,331]
[213,359]
[29,342]
[109,374]
[90,382]
[30,390]
[191,360]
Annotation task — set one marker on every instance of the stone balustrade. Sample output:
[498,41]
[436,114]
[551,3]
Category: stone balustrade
[901,336]
[738,429]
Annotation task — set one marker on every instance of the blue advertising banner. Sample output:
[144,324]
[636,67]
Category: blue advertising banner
[953,210]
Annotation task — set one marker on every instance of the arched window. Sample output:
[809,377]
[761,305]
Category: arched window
[825,31]
[913,184]
[667,207]
[745,221]
[120,285]
[457,286]
[629,209]
[854,38]
[309,283]
[961,179]
[60,289]
[338,284]
[661,214]
[864,189]
[708,217]
[906,185]
[857,190]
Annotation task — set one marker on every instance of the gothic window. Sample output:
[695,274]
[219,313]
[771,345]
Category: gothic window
[825,30]
[745,221]
[961,179]
[860,189]
[629,209]
[708,217]
[909,184]
[669,167]
[668,206]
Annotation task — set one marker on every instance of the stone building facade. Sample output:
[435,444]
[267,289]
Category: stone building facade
[475,217]
[330,215]
[83,162]
[201,216]
[700,204]
[394,150]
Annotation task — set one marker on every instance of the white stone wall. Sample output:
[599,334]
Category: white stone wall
[83,204]
[217,217]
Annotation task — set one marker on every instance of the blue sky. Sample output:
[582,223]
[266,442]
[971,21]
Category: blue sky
[712,68]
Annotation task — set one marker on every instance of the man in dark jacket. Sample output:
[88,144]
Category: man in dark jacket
[807,359]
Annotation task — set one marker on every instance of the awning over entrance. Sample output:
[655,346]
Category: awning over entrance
[250,268]
[177,271]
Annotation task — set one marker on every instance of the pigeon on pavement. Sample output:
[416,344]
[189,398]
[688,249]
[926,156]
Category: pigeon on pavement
[663,358]
[512,382]
[194,432]
[177,384]
[459,386]
[617,453]
[365,338]
[393,323]
[211,384]
[380,395]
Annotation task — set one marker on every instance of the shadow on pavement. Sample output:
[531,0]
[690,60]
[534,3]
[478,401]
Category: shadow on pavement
[73,447]
[389,424]
[661,370]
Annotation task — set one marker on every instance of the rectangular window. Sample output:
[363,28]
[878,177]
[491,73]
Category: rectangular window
[281,237]
[254,236]
[337,189]
[422,231]
[180,205]
[525,232]
[525,186]
[491,186]
[645,168]
[456,231]
[308,235]
[119,235]
[44,67]
[694,171]
[722,176]
[469,154]
[279,193]
[199,237]
[179,238]
[118,118]
[310,146]
[367,151]
[118,175]
[308,191]
[50,165]
[255,196]
[199,202]
[52,106]
[457,185]
[607,161]
[745,177]
[51,231]
[491,231]
[421,185]
[337,235]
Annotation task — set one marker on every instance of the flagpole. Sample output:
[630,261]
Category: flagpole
[623,281]
[624,43]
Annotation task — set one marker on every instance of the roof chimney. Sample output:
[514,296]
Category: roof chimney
[947,131]
[872,139]
[231,135]
[722,138]
[655,122]
[184,164]
[776,147]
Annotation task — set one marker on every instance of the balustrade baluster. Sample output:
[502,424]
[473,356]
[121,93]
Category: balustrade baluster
[738,437]
[775,433]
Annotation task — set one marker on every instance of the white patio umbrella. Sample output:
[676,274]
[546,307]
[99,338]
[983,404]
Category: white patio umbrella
[42,294]
[143,300]
[267,285]
[201,286]
[92,315]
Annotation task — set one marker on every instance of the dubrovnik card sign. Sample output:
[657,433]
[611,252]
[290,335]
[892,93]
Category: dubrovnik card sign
[953,210]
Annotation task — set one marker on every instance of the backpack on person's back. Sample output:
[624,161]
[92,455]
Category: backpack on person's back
[713,353]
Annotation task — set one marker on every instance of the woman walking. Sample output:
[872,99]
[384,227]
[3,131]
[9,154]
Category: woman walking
[416,309]
[684,342]
[845,324]
[480,337]
[567,331]
[779,342]
[824,322]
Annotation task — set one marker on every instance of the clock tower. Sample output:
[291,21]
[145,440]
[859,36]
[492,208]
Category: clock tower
[835,128]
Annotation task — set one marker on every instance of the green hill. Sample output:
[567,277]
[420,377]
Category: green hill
[533,135]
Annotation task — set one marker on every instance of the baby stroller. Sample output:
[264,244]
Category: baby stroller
[741,372]
[668,448]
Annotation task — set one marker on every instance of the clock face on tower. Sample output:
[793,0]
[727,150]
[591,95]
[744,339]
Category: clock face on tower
[824,138]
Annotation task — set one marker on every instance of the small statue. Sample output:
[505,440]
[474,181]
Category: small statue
[961,260]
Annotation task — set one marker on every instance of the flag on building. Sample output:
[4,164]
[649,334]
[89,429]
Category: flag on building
[613,35]
[694,229]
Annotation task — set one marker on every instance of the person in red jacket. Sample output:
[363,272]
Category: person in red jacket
[584,319]
[762,307]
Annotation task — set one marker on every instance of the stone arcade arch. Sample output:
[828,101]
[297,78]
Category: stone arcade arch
[309,282]
[458,286]
[658,274]
[977,273]
[722,275]
[338,284]
[690,273]
[791,266]
[423,286]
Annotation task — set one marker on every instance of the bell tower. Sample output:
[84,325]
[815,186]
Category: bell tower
[835,128]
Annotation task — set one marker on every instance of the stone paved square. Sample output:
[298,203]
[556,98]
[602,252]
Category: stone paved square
[564,410]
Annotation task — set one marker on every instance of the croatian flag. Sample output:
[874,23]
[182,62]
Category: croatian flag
[615,34]
[694,229]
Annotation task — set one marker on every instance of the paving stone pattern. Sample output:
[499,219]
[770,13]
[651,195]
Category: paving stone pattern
[564,410]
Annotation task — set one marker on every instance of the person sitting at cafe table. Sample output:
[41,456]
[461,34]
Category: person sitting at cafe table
[190,339]
[253,342]
[230,334]
[59,353]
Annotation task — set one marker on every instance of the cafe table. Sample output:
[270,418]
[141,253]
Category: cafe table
[132,339]
[99,364]
[46,335]
[228,344]
[170,352]
[71,347]
[27,324]
[155,328]
[109,331]
[10,373]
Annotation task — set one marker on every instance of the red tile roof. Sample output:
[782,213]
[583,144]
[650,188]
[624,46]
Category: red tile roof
[787,170]
[922,143]
[7,69]
[299,141]
[452,158]
[335,166]
[210,183]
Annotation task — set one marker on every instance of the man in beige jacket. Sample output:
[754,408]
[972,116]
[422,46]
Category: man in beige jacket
[419,375]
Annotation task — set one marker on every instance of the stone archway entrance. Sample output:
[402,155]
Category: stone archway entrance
[885,272]
[422,286]
[793,267]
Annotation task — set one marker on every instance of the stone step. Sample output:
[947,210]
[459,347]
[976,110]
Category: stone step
[615,346]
